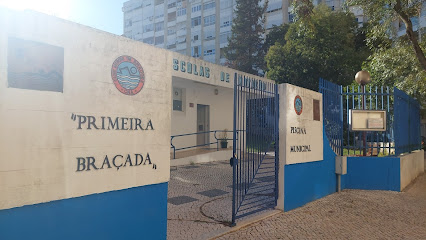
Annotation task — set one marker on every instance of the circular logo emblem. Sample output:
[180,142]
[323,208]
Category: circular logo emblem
[127,75]
[298,105]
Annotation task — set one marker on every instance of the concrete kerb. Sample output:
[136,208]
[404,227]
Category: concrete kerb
[245,223]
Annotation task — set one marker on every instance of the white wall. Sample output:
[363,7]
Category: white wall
[200,90]
[412,165]
[221,111]
[40,142]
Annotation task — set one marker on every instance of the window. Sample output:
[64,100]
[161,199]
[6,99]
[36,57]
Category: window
[159,40]
[209,52]
[290,17]
[224,37]
[171,17]
[181,3]
[222,53]
[209,5]
[209,34]
[181,11]
[196,8]
[148,28]
[196,51]
[158,2]
[274,6]
[177,99]
[171,31]
[209,20]
[195,37]
[195,21]
[225,4]
[149,40]
[226,21]
[159,26]
[171,5]
[181,39]
[159,14]
[171,46]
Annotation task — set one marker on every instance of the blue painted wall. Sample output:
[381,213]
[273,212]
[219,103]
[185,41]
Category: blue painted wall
[306,182]
[135,213]
[373,173]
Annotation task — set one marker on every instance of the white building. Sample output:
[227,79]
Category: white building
[197,28]
[200,28]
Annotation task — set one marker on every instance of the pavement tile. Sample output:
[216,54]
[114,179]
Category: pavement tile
[213,193]
[181,200]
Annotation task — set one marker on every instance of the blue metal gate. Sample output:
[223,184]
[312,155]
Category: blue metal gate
[255,146]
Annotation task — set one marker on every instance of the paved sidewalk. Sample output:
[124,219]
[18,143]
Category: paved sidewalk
[198,197]
[352,214]
[200,200]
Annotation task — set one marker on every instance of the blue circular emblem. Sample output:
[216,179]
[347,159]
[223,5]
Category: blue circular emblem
[298,105]
[128,75]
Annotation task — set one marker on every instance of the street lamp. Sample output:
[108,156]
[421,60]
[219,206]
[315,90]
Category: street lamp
[363,78]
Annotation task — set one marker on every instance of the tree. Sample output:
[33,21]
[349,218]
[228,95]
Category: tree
[403,72]
[244,51]
[275,35]
[382,15]
[322,44]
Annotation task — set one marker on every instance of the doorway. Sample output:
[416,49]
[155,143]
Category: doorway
[203,125]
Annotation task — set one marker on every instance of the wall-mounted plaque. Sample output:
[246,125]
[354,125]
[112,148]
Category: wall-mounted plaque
[368,120]
[34,65]
[316,109]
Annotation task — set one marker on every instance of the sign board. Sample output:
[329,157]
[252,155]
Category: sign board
[368,120]
[301,128]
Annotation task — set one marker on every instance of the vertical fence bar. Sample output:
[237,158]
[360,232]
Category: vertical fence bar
[347,117]
[277,137]
[341,120]
[234,142]
[388,130]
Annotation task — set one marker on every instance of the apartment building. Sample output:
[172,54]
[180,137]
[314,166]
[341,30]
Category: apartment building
[197,28]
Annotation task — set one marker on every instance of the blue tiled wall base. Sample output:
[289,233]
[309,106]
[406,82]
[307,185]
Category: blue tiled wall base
[135,213]
[373,173]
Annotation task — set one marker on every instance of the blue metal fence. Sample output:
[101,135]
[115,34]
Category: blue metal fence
[377,143]
[407,123]
[333,114]
[402,126]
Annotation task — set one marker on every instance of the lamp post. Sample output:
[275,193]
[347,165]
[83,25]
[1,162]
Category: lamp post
[363,78]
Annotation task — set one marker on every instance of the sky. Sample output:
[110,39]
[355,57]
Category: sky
[105,15]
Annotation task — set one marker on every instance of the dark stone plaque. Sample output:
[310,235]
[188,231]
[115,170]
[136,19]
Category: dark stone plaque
[316,108]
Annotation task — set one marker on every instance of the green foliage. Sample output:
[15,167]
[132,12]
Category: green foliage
[398,66]
[302,9]
[275,35]
[323,44]
[395,61]
[384,16]
[244,51]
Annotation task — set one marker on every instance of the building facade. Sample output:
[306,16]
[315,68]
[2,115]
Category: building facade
[196,28]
